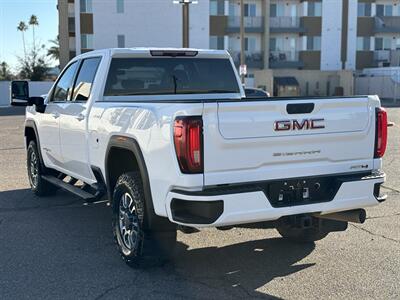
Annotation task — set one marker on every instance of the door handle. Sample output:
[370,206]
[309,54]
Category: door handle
[80,117]
[55,115]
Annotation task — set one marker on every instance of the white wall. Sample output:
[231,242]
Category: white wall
[331,40]
[149,23]
[36,88]
[4,93]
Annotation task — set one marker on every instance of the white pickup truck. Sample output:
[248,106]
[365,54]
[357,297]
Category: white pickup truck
[169,138]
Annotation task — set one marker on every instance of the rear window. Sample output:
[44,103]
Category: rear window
[168,76]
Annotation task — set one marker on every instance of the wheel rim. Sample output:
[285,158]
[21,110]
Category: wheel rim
[33,168]
[128,222]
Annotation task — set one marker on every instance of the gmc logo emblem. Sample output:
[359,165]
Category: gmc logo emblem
[306,124]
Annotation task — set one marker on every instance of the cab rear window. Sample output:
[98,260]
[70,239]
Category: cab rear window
[168,76]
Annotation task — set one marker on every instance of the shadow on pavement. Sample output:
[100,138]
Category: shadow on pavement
[241,268]
[70,244]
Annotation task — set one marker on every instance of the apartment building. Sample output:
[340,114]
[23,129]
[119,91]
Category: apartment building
[320,42]
[378,34]
[85,25]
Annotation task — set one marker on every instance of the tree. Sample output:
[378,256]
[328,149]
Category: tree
[22,27]
[34,66]
[33,21]
[5,73]
[54,51]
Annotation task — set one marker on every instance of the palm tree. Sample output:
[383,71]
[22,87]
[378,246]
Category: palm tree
[54,51]
[33,21]
[22,27]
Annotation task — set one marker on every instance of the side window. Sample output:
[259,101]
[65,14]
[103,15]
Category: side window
[64,84]
[85,78]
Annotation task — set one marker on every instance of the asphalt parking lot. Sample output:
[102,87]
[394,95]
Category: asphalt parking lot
[61,247]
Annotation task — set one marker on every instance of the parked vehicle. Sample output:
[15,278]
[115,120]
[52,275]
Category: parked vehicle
[255,93]
[170,139]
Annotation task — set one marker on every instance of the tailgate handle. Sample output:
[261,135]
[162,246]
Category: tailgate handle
[300,108]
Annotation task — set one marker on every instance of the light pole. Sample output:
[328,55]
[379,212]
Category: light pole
[185,20]
[242,44]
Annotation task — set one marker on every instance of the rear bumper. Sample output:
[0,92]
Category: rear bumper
[240,206]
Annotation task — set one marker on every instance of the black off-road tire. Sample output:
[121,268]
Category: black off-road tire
[147,247]
[35,170]
[301,235]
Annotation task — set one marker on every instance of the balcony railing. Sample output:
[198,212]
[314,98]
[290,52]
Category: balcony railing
[387,24]
[253,59]
[387,57]
[285,24]
[284,59]
[251,24]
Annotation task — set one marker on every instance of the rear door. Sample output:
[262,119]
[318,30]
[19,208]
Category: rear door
[249,141]
[73,122]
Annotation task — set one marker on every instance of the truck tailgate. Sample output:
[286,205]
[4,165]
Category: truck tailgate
[248,141]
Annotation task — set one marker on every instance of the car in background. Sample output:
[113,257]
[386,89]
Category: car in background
[256,93]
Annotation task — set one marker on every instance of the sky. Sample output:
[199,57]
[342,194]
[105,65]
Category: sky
[14,11]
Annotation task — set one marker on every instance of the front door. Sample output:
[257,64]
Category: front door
[49,121]
[73,123]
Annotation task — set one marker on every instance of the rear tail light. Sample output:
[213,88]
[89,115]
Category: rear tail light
[188,140]
[381,132]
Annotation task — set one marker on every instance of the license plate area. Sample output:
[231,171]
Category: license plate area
[305,191]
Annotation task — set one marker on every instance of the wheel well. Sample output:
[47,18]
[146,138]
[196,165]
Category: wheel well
[30,135]
[120,161]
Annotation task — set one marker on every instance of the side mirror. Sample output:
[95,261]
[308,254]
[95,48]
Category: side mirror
[38,102]
[19,92]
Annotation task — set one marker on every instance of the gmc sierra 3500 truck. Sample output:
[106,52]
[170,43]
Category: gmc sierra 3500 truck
[170,139]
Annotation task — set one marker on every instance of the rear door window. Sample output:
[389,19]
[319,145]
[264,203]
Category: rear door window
[168,76]
[85,79]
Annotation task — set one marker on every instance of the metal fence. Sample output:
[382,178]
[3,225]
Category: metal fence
[386,87]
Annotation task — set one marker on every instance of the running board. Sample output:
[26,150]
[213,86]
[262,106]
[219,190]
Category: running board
[70,188]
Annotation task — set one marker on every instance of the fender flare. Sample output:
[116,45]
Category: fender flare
[31,124]
[130,144]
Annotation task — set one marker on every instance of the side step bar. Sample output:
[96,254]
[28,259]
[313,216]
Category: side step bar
[70,188]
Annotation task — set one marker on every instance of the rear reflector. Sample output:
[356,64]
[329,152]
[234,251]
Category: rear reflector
[188,140]
[381,132]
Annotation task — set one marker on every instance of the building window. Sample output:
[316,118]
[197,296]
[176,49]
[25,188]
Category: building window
[87,41]
[364,10]
[213,8]
[314,9]
[217,7]
[384,10]
[383,43]
[277,10]
[314,43]
[363,43]
[250,10]
[121,41]
[250,44]
[120,6]
[86,6]
[217,42]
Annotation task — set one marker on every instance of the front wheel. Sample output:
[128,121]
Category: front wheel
[138,246]
[35,171]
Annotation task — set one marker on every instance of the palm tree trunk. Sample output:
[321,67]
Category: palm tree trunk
[34,40]
[23,43]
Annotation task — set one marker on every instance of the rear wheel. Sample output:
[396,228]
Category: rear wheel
[35,171]
[138,245]
[291,229]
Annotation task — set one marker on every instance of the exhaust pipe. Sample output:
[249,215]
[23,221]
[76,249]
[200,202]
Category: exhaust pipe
[354,216]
